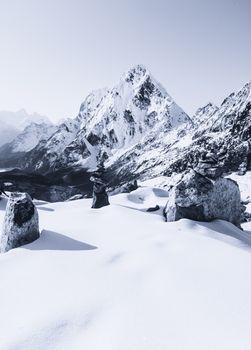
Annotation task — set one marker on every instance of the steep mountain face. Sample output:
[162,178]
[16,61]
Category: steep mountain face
[110,122]
[204,113]
[25,141]
[222,140]
[47,150]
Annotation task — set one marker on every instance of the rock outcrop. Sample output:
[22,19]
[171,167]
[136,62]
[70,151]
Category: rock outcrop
[20,223]
[100,196]
[197,197]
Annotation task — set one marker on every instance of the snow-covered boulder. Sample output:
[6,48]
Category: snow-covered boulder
[20,223]
[198,198]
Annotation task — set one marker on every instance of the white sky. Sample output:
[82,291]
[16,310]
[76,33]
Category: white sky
[54,52]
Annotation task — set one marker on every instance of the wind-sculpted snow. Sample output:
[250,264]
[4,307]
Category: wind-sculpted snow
[121,278]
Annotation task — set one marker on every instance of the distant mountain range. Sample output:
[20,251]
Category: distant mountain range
[139,131]
[12,123]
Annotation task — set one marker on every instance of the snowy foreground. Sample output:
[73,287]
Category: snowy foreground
[119,278]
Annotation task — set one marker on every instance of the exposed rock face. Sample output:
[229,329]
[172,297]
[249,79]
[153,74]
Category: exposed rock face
[198,198]
[129,187]
[20,222]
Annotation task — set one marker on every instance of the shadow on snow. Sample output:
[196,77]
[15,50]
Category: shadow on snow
[50,240]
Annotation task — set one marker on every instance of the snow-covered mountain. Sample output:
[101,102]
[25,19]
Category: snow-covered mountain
[20,119]
[14,123]
[141,133]
[25,141]
[110,122]
[222,134]
[31,136]
[7,132]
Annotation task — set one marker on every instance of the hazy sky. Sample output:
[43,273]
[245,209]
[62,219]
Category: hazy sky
[54,52]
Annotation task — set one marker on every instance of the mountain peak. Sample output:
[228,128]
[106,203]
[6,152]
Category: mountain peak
[237,99]
[136,74]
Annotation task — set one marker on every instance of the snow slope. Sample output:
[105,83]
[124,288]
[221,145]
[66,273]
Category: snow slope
[31,136]
[14,123]
[122,278]
[7,132]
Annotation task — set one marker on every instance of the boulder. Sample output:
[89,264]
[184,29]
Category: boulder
[100,196]
[20,222]
[197,197]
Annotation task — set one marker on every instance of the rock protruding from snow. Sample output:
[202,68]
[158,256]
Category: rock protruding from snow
[198,198]
[20,223]
[100,196]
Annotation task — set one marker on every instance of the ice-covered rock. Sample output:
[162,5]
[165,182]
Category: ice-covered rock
[198,198]
[21,224]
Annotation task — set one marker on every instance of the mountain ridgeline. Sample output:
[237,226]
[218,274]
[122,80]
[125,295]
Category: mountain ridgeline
[139,131]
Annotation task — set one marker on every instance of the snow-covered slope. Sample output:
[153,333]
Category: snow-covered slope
[21,132]
[31,136]
[7,132]
[47,151]
[219,137]
[122,278]
[24,142]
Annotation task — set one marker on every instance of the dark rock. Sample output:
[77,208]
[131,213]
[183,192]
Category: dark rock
[20,222]
[198,198]
[151,209]
[245,216]
[129,187]
[100,196]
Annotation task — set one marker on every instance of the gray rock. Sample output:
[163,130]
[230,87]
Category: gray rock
[198,198]
[20,222]
[100,196]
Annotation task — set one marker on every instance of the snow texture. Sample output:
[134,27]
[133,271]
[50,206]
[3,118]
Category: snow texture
[122,278]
